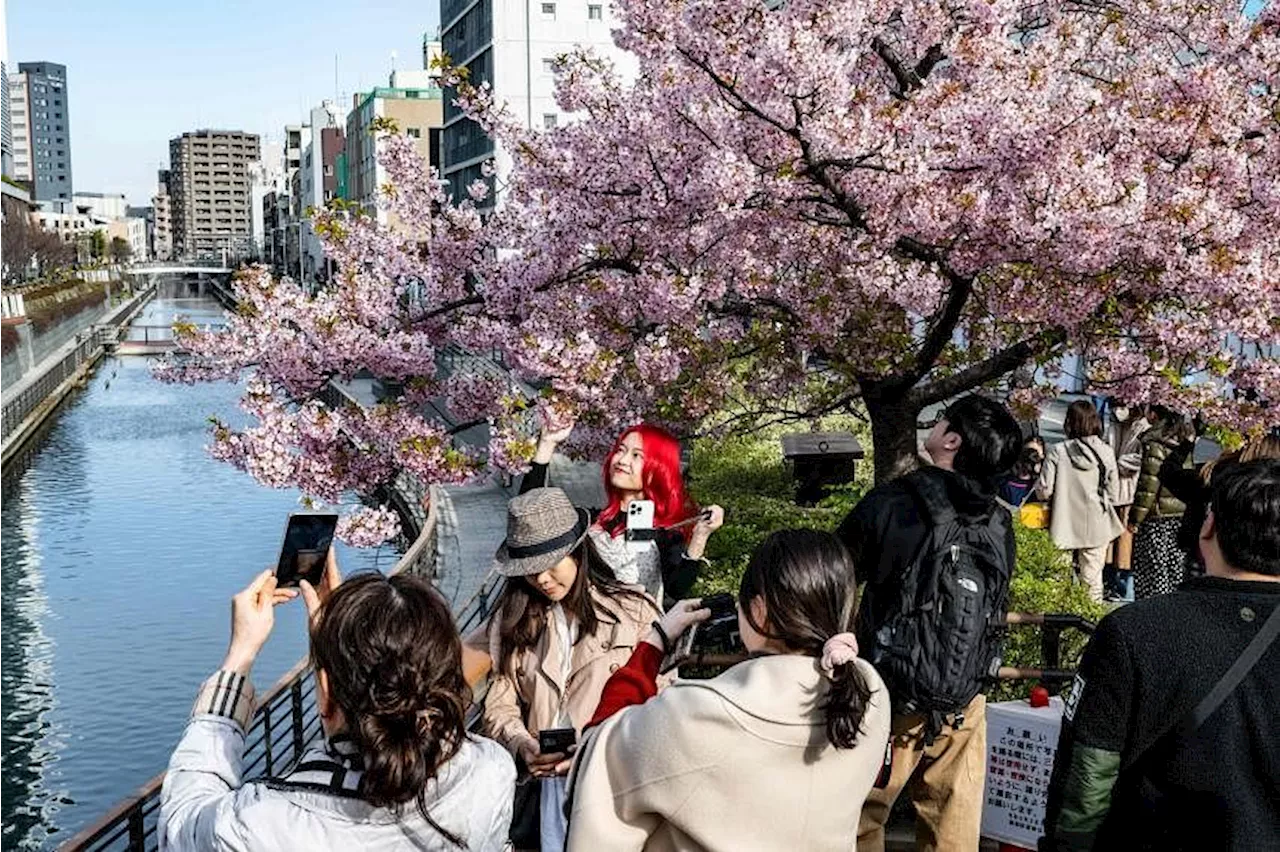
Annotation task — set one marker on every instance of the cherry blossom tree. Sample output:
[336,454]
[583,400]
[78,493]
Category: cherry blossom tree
[803,208]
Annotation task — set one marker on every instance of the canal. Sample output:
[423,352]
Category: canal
[123,542]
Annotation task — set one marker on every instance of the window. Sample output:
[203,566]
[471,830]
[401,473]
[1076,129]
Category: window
[549,121]
[414,132]
[595,13]
[548,66]
[549,9]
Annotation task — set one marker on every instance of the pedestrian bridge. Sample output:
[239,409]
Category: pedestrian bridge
[151,339]
[179,269]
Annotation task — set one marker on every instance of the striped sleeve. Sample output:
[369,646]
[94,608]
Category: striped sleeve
[226,694]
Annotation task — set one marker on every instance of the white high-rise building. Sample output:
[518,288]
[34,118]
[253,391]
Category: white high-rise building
[512,44]
[266,176]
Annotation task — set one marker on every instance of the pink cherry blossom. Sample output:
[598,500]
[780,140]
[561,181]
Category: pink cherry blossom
[827,206]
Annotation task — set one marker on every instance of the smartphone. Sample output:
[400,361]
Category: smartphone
[307,539]
[556,740]
[640,521]
[640,515]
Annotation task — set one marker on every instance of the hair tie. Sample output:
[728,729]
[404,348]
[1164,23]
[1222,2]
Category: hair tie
[838,650]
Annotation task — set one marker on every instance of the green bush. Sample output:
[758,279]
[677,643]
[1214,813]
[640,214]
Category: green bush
[749,478]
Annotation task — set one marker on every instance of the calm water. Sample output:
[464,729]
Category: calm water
[122,545]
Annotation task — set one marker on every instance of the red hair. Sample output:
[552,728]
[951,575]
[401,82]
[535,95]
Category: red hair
[660,477]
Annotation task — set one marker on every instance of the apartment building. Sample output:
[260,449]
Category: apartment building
[319,181]
[512,46]
[209,193]
[162,229]
[415,102]
[40,117]
[266,177]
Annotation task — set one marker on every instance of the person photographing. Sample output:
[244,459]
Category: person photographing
[395,768]
[778,752]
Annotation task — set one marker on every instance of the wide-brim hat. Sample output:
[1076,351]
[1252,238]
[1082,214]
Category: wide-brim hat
[543,526]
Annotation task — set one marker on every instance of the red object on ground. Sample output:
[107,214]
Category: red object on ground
[1009,847]
[1039,698]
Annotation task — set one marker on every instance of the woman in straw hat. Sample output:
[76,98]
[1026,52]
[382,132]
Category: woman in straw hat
[561,627]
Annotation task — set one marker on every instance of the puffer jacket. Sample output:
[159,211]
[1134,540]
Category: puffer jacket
[1152,499]
[205,803]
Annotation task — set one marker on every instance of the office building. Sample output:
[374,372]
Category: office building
[6,124]
[512,46]
[209,194]
[40,115]
[416,104]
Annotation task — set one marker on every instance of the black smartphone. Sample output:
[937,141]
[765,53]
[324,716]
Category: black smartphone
[307,539]
[556,740]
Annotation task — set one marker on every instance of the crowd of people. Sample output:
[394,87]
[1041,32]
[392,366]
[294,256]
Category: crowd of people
[867,653]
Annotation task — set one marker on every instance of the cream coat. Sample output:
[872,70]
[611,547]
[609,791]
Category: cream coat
[740,762]
[534,678]
[1069,480]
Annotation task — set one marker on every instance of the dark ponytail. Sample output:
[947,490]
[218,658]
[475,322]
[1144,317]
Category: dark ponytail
[393,660]
[809,590]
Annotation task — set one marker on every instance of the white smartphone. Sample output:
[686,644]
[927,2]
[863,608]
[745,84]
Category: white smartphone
[640,521]
[640,515]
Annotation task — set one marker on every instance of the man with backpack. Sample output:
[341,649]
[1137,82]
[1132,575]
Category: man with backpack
[936,552]
[1170,728]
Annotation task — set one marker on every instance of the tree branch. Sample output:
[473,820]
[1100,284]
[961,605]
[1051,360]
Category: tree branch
[990,368]
[944,324]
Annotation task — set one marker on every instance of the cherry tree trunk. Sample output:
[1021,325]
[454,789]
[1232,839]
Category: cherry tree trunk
[893,435]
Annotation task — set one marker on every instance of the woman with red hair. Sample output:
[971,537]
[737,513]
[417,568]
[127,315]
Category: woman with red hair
[644,464]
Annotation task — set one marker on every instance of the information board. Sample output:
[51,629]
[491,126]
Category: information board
[1021,744]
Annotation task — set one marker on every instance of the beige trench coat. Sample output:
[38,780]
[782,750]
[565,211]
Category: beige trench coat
[532,681]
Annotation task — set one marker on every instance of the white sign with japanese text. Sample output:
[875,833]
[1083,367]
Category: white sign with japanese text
[1021,744]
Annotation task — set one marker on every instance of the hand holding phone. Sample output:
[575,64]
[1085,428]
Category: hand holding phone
[640,520]
[556,740]
[305,549]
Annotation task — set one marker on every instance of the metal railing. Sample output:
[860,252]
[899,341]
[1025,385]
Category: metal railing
[30,397]
[285,722]
[1050,673]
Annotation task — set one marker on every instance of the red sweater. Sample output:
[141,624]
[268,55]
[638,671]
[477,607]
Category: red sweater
[634,683]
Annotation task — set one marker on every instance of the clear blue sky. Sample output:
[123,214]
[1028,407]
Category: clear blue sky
[142,71]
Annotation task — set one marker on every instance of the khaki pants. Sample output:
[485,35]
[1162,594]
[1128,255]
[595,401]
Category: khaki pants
[944,781]
[1089,562]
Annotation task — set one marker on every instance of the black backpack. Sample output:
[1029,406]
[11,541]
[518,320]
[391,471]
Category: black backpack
[941,641]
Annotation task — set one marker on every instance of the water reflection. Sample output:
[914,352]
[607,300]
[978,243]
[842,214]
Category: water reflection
[123,542]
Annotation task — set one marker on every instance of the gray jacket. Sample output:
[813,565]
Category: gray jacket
[206,805]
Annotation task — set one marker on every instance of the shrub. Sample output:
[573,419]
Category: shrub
[749,478]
